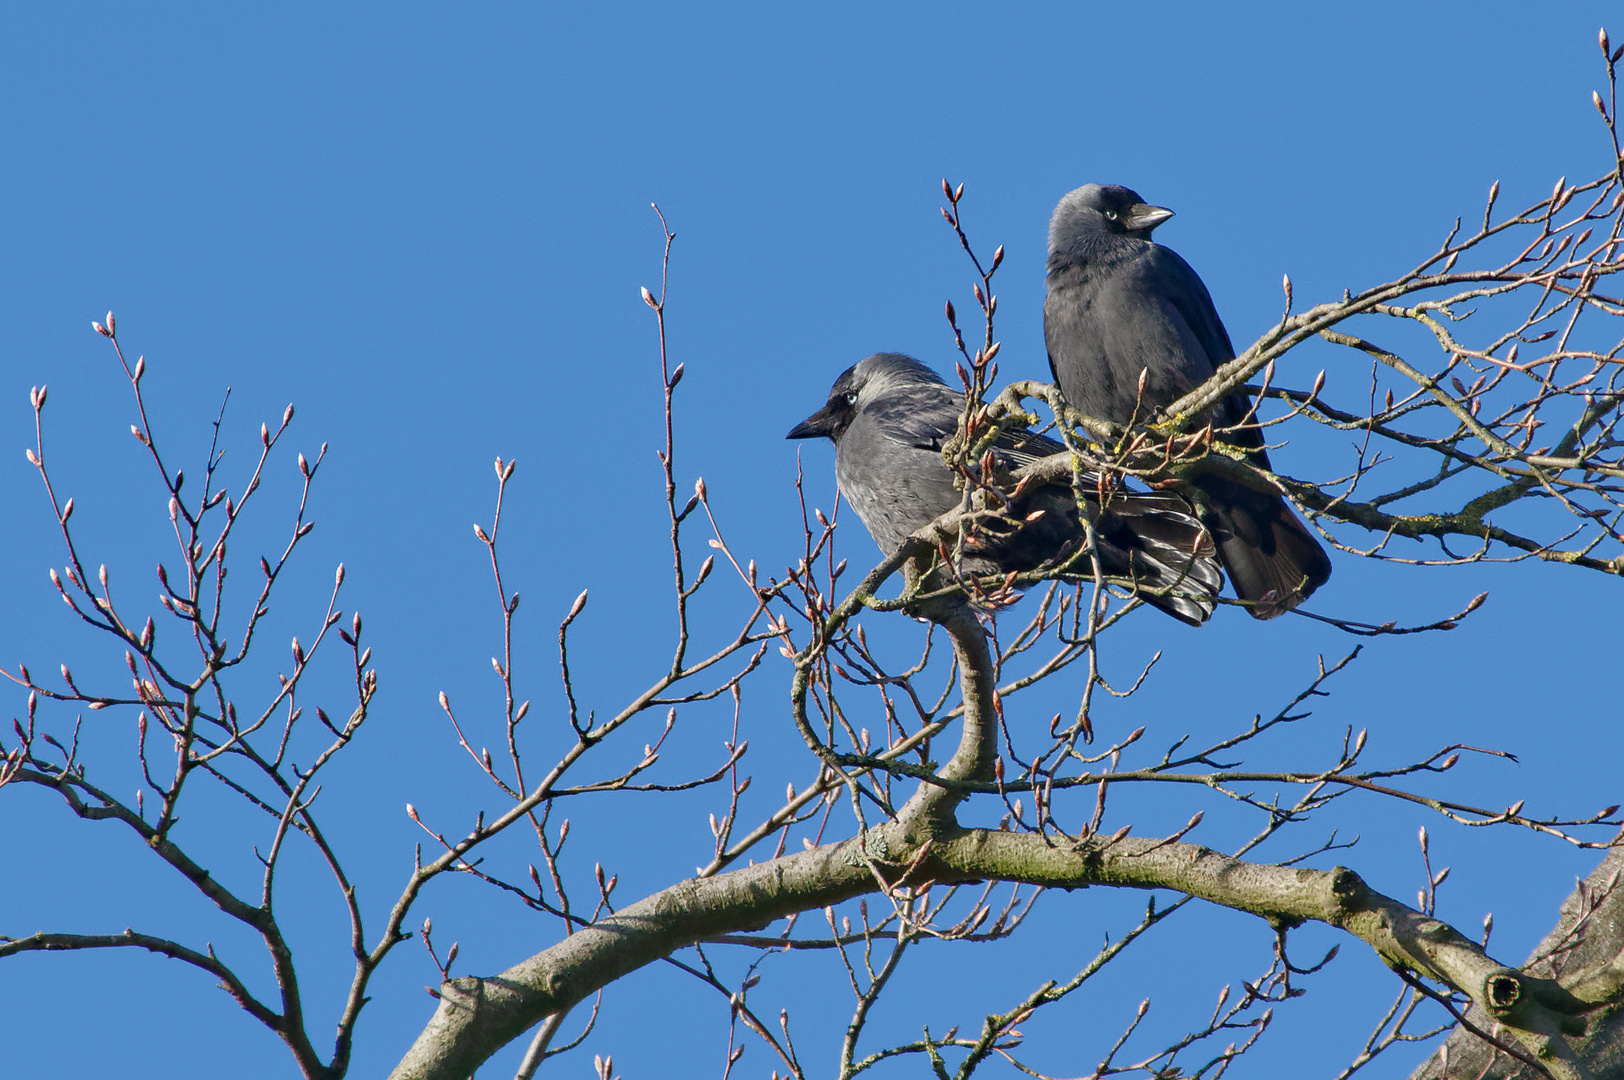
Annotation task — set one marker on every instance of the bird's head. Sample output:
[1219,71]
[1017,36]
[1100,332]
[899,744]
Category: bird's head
[1104,208]
[858,385]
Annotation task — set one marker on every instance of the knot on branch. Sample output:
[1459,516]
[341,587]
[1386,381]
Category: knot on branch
[1348,889]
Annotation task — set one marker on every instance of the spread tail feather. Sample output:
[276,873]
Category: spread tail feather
[1167,550]
[1151,538]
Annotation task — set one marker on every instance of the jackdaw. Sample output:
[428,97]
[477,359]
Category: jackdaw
[889,416]
[1118,305]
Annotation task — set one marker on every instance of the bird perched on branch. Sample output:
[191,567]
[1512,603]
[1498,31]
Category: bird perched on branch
[889,417]
[1120,306]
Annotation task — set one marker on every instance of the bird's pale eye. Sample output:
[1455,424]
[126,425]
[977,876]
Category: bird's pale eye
[1110,215]
[851,398]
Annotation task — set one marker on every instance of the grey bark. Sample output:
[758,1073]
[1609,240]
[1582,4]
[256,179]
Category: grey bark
[1582,952]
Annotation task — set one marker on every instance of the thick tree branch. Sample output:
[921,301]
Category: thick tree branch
[479,1015]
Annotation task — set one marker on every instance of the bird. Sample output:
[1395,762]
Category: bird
[889,416]
[1120,306]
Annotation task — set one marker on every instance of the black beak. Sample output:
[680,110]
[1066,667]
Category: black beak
[1142,217]
[822,422]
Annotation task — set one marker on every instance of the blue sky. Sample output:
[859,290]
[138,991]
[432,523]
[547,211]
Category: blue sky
[427,226]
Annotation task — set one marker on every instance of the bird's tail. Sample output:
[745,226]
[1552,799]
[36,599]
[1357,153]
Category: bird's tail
[1273,560]
[1150,538]
[1167,551]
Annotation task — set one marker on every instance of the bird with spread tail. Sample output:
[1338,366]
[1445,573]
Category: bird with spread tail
[1120,306]
[890,415]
